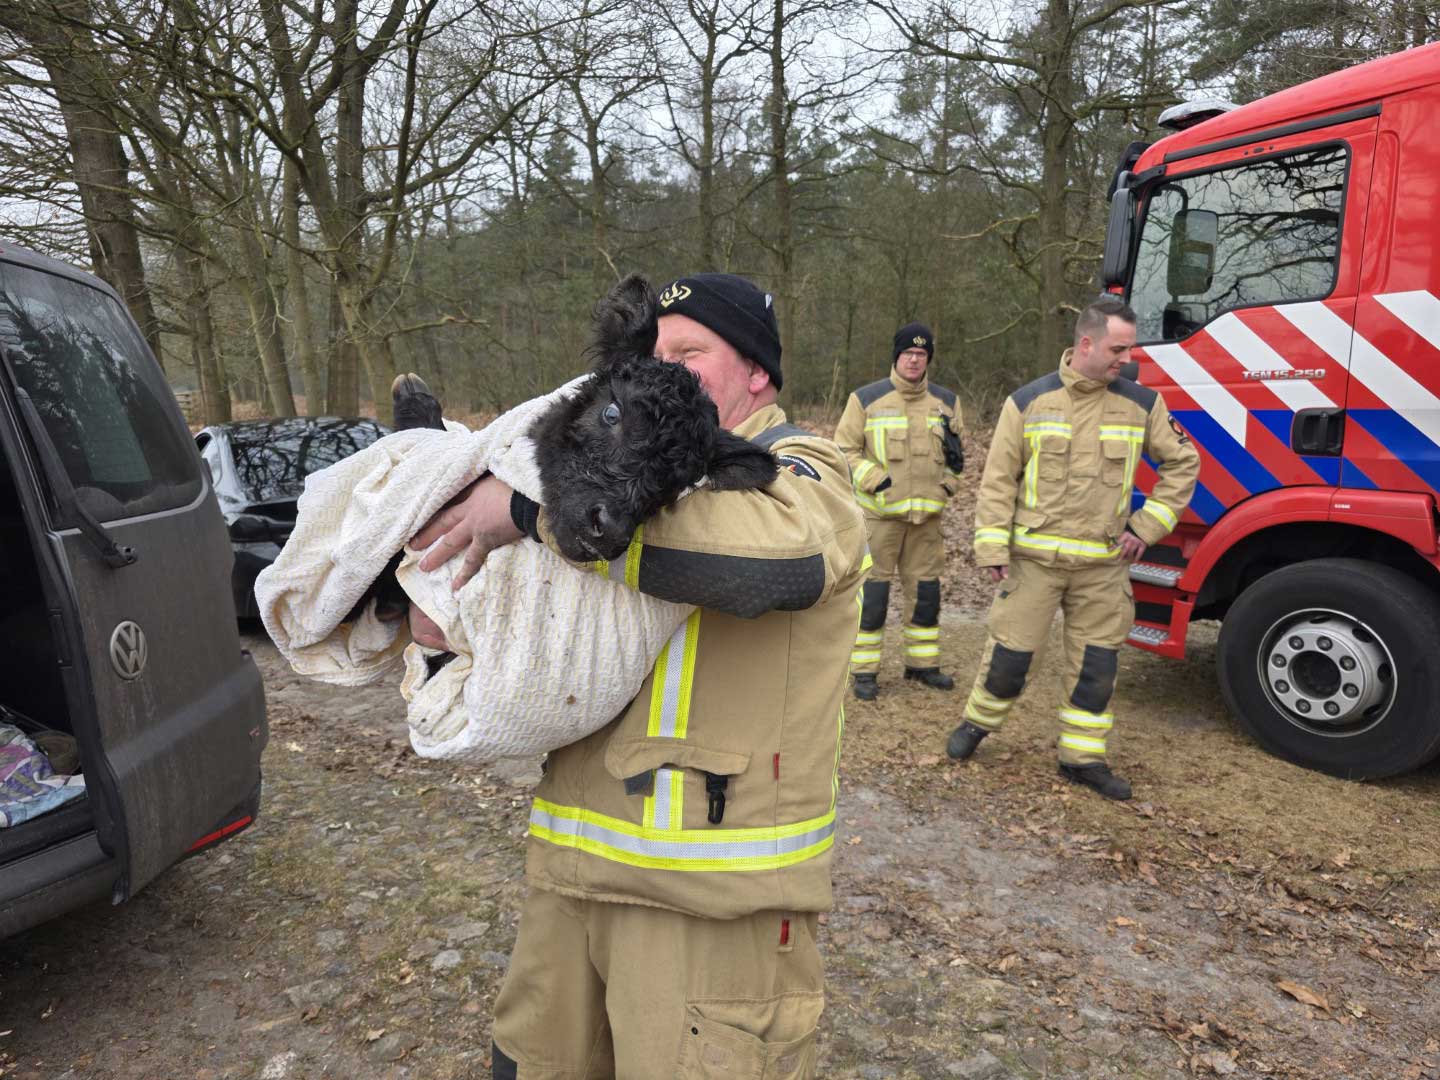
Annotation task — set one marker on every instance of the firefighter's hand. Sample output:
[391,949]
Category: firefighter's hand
[425,631]
[476,523]
[1131,547]
[998,573]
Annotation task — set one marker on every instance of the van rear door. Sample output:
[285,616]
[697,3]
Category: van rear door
[168,709]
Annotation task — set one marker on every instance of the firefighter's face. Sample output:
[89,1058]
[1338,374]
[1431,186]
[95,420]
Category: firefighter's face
[911,364]
[1103,357]
[737,386]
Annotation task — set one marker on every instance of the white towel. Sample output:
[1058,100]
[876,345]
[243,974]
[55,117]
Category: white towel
[546,652]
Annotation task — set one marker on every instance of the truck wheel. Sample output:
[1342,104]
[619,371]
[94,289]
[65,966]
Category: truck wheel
[1332,664]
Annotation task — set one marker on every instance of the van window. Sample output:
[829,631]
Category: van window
[102,399]
[1259,232]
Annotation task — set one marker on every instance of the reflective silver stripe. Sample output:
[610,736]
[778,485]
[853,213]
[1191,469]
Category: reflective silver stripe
[664,804]
[707,845]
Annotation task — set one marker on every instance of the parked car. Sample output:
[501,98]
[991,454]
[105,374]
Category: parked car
[115,565]
[258,469]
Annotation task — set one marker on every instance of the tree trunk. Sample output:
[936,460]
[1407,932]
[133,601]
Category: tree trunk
[706,200]
[299,296]
[1056,135]
[265,323]
[214,394]
[343,398]
[75,67]
[782,253]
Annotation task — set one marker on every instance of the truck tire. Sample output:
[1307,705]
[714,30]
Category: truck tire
[1332,664]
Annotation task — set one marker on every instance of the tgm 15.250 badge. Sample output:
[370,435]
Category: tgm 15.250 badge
[1285,373]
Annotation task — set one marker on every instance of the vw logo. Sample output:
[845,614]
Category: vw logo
[128,650]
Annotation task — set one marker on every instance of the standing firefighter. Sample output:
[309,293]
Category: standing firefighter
[1055,528]
[679,857]
[902,436]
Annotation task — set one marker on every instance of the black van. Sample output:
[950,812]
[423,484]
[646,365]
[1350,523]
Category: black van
[116,626]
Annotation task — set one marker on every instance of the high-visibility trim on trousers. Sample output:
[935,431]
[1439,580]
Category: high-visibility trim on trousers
[985,709]
[1083,743]
[1064,545]
[710,850]
[922,633]
[1081,718]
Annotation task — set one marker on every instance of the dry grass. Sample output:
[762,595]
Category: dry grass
[1206,795]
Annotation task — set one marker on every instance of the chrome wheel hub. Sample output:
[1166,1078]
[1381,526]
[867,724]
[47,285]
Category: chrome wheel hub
[1327,672]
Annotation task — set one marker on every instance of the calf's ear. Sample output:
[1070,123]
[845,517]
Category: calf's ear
[625,320]
[737,464]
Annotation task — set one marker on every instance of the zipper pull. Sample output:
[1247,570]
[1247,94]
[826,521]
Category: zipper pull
[715,791]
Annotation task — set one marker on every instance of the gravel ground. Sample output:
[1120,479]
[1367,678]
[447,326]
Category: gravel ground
[990,922]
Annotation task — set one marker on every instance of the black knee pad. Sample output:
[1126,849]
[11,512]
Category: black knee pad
[927,603]
[1008,668]
[872,609]
[1097,679]
[502,1068]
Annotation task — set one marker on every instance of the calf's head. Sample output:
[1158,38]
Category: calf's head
[637,434]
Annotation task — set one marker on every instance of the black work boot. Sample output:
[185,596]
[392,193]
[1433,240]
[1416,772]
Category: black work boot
[964,740]
[1099,777]
[414,406]
[866,687]
[931,677]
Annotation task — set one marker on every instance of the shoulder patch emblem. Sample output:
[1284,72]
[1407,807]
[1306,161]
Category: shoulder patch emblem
[1179,431]
[798,465]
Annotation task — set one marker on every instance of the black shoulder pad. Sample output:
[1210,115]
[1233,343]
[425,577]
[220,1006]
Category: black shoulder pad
[944,394]
[874,391]
[1030,391]
[770,436]
[1140,395]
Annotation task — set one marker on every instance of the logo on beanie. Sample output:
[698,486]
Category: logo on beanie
[674,293]
[919,340]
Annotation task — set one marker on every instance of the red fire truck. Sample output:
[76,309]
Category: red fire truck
[1283,259]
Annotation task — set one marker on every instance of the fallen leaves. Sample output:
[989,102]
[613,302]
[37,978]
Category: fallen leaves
[1302,994]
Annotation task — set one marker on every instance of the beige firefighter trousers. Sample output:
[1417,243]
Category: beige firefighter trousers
[633,992]
[918,553]
[1098,606]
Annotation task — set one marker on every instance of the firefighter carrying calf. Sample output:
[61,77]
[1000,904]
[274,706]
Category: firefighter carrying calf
[1055,529]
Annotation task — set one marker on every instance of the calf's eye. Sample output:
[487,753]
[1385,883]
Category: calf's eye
[610,414]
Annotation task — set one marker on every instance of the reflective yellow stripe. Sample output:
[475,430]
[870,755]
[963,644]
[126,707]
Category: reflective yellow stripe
[860,657]
[1048,427]
[1128,432]
[992,534]
[876,423]
[869,637]
[922,650]
[1081,718]
[1064,545]
[674,676]
[980,696]
[707,849]
[923,633]
[1082,742]
[626,571]
[862,470]
[904,506]
[1161,513]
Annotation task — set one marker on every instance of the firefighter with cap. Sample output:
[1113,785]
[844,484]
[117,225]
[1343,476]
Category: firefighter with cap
[679,857]
[902,436]
[1055,529]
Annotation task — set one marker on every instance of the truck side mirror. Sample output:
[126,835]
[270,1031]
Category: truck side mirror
[1193,238]
[1119,236]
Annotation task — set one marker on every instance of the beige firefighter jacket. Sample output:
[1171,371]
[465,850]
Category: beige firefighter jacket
[1058,481]
[714,792]
[909,434]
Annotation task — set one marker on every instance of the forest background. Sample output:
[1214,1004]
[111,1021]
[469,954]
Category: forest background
[299,198]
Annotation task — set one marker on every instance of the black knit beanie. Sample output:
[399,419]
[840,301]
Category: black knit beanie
[915,335]
[733,308]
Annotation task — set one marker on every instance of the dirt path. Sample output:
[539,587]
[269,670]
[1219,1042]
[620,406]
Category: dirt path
[990,922]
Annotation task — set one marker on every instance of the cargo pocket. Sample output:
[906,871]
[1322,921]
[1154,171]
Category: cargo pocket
[772,1039]
[1054,457]
[1115,457]
[897,445]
